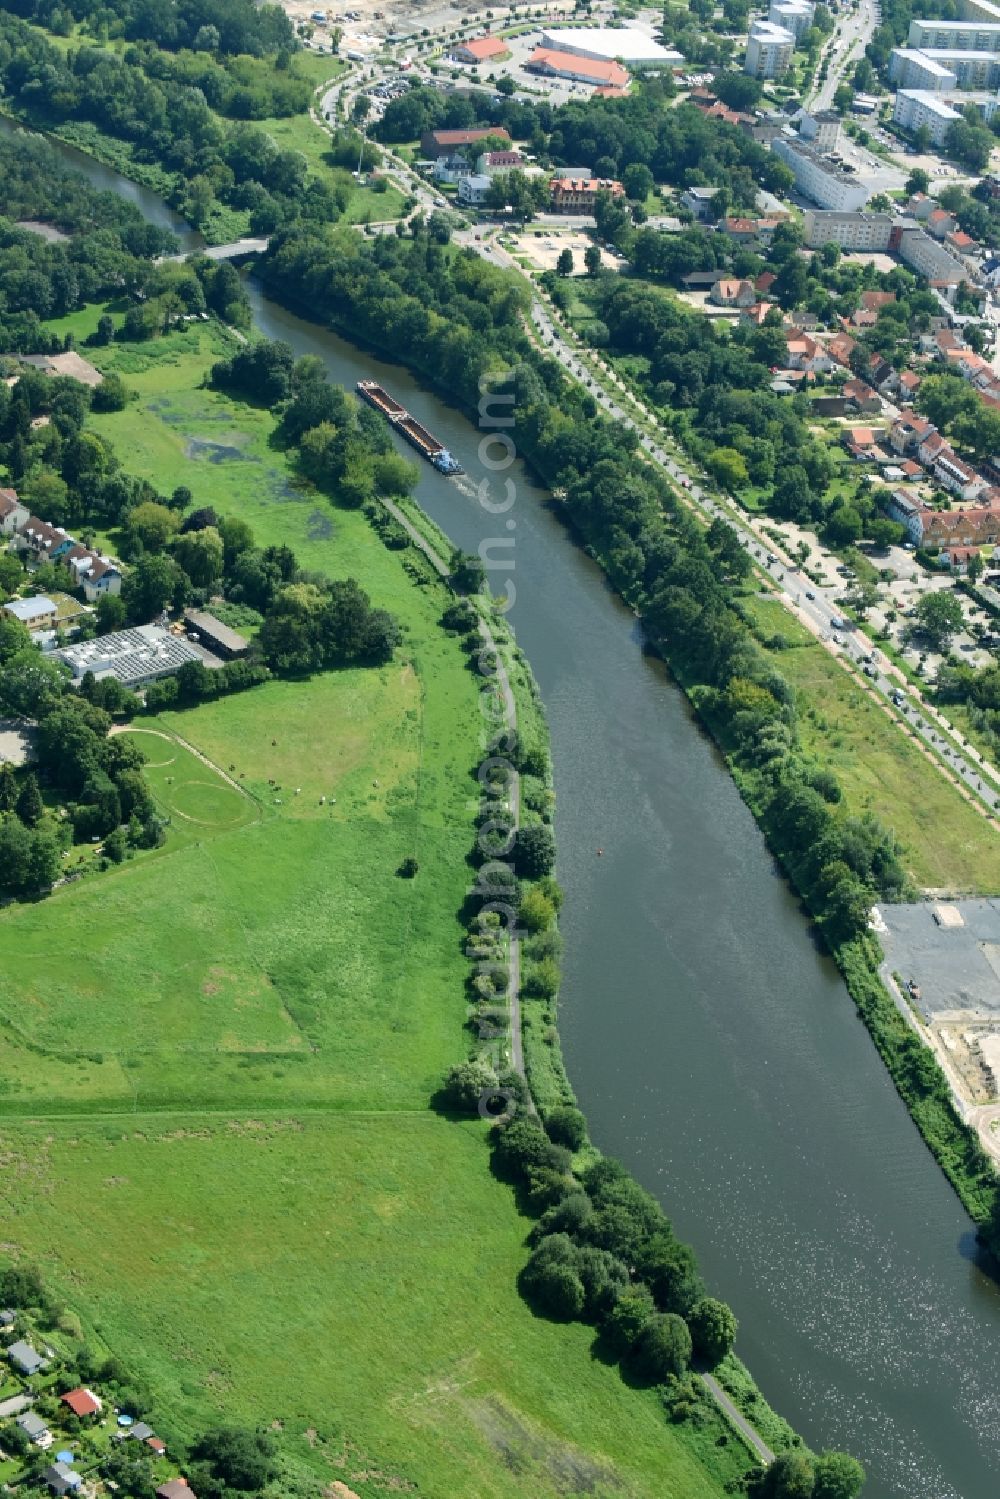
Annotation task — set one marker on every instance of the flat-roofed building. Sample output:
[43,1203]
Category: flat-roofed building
[851,231]
[821,130]
[38,613]
[956,36]
[971,69]
[795,15]
[626,44]
[135,657]
[769,50]
[915,108]
[822,182]
[914,69]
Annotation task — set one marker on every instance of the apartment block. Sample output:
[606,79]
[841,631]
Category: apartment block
[822,182]
[851,231]
[769,50]
[916,107]
[912,69]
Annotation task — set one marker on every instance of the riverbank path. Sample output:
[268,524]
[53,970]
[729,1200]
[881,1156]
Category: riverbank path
[508,704]
[737,1419]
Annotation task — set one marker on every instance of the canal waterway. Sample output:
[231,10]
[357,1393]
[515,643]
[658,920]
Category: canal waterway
[713,1047]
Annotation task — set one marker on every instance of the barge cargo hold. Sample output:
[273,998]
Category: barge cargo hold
[416,435]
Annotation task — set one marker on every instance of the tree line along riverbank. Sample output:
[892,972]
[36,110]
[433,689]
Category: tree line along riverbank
[158,369]
[683,581]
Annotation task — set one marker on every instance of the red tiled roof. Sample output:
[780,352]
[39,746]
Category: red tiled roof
[591,68]
[482,47]
[81,1402]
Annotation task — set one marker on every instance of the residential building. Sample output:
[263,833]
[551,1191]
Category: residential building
[46,543]
[971,69]
[909,431]
[552,63]
[698,200]
[822,182]
[755,316]
[939,223]
[914,69]
[35,1429]
[977,526]
[908,511]
[474,190]
[13,515]
[821,130]
[573,195]
[955,36]
[795,16]
[62,1479]
[957,557]
[978,10]
[958,477]
[481,49]
[851,231]
[930,259]
[624,44]
[452,168]
[83,1402]
[769,50]
[916,108]
[437,143]
[730,293]
[841,348]
[749,231]
[491,163]
[25,1358]
[135,657]
[861,396]
[38,613]
[95,574]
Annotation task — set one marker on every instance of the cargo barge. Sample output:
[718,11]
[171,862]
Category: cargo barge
[416,435]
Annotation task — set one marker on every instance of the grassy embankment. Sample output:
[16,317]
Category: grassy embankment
[294,133]
[269,1221]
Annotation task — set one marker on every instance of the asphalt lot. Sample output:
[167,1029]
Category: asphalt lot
[955,967]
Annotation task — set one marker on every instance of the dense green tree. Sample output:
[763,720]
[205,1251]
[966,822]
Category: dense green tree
[939,617]
[30,807]
[713,1329]
[662,1348]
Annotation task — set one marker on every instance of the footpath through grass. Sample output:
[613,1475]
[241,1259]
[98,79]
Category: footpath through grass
[217,1059]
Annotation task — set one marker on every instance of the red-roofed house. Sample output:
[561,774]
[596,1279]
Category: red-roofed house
[909,431]
[861,396]
[874,301]
[577,194]
[753,317]
[841,348]
[732,293]
[957,476]
[435,143]
[940,223]
[765,281]
[83,1402]
[481,49]
[13,515]
[553,64]
[958,557]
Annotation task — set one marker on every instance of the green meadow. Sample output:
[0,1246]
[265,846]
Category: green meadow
[217,1059]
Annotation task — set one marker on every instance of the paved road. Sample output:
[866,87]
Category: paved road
[814,605]
[737,1418]
[855,32]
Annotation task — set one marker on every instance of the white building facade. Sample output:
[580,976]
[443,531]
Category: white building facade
[916,108]
[851,231]
[769,50]
[818,180]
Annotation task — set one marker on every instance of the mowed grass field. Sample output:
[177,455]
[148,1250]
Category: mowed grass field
[352,1277]
[216,1060]
[946,842]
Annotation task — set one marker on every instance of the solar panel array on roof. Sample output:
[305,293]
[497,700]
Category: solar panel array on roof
[133,656]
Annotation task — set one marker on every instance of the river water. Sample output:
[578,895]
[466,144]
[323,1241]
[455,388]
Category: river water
[714,1049]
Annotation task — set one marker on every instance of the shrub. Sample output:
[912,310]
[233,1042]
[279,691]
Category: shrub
[467,1083]
[662,1348]
[534,851]
[566,1126]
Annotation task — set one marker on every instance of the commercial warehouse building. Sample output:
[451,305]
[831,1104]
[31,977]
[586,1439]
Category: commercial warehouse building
[136,657]
[625,44]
